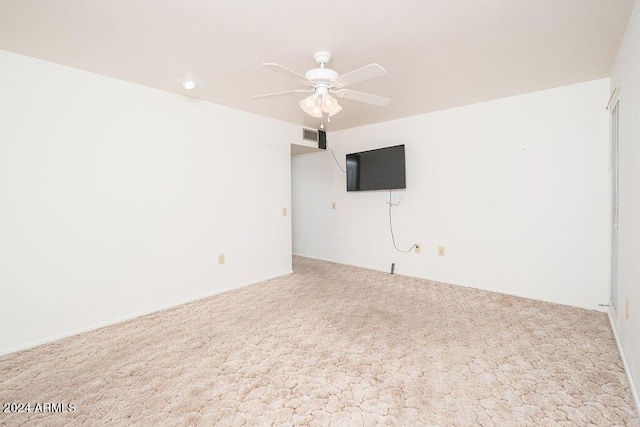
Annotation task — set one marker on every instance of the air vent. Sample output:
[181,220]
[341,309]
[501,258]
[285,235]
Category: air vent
[310,135]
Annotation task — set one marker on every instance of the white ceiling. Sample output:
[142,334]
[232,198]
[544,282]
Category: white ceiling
[439,53]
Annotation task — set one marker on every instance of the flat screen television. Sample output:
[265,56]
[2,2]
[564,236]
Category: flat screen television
[381,169]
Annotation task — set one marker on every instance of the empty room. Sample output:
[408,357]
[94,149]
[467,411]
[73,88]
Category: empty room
[320,213]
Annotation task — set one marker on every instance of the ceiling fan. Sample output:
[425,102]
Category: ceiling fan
[323,82]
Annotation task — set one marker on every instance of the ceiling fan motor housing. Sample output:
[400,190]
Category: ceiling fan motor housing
[321,76]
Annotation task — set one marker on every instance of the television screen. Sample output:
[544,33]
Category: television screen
[381,169]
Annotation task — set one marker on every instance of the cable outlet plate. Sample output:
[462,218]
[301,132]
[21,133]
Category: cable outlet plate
[440,250]
[417,248]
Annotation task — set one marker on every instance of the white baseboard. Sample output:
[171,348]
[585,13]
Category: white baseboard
[464,285]
[368,267]
[632,386]
[121,319]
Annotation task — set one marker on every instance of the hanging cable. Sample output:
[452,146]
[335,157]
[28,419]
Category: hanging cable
[393,239]
[336,160]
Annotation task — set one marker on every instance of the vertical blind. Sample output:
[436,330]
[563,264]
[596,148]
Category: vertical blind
[614,181]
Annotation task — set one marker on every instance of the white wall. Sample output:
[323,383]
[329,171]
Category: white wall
[115,199]
[515,189]
[625,75]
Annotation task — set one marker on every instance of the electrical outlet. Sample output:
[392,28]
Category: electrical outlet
[284,211]
[626,308]
[220,258]
[417,248]
[440,250]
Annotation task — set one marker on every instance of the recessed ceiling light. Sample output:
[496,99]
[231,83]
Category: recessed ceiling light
[188,84]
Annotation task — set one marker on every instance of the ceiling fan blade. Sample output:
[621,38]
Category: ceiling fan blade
[368,98]
[286,72]
[286,92]
[367,72]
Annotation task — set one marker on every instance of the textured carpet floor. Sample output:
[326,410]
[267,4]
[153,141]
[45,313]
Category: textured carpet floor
[333,345]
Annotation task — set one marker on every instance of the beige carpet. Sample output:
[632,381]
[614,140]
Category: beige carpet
[333,345]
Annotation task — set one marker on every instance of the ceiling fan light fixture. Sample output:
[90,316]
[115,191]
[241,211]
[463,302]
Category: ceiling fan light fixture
[310,106]
[330,105]
[315,105]
[328,101]
[309,101]
[335,110]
